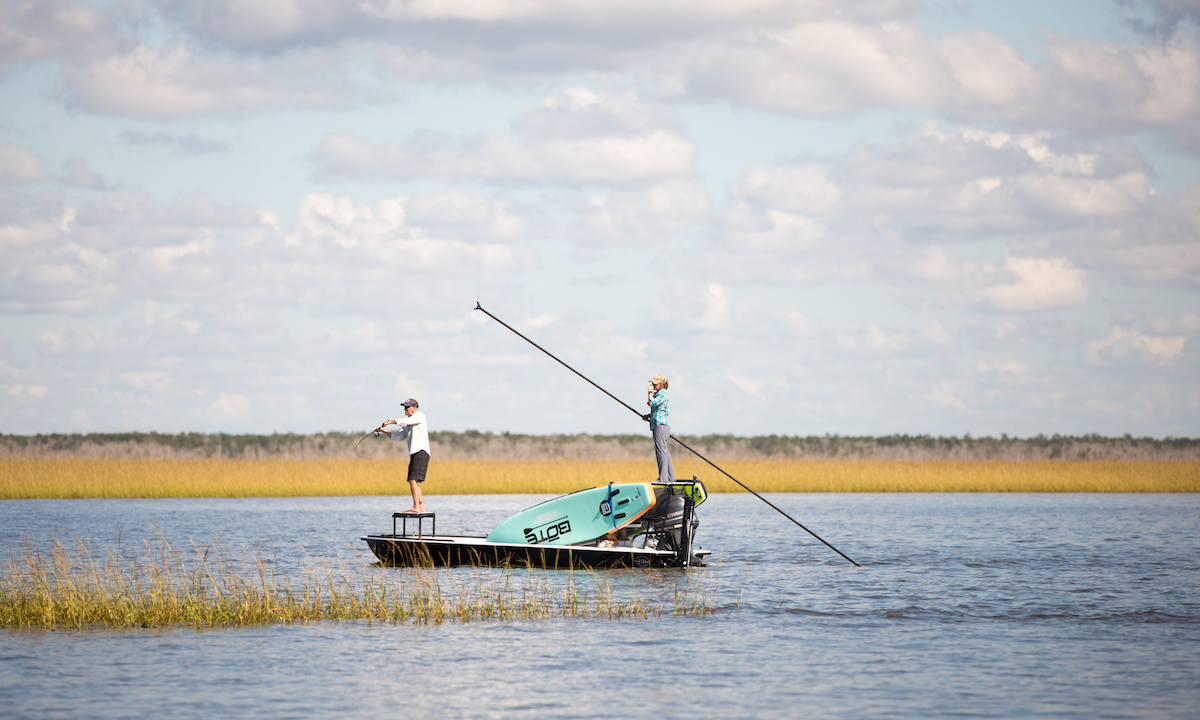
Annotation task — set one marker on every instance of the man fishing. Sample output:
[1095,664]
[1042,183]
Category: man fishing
[413,428]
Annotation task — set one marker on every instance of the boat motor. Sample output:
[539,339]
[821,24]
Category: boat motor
[680,526]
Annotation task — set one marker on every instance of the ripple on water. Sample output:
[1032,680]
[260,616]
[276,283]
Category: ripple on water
[1004,606]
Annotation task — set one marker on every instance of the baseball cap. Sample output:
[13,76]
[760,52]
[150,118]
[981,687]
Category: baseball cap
[410,403]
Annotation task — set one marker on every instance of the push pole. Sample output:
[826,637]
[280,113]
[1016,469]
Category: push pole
[685,446]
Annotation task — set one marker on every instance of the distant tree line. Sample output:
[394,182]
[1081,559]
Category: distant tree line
[475,445]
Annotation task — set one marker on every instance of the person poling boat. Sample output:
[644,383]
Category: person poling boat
[413,428]
[659,418]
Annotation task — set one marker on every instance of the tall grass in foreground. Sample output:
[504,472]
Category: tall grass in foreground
[69,478]
[207,587]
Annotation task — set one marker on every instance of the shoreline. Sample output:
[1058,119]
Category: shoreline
[475,445]
[36,478]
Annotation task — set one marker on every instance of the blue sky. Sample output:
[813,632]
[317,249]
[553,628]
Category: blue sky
[814,217]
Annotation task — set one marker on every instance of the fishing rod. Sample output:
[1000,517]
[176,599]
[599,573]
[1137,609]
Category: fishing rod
[685,446]
[360,442]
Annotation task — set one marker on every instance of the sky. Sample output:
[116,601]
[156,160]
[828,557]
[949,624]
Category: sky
[854,217]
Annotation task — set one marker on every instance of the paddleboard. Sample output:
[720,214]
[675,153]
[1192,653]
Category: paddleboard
[577,518]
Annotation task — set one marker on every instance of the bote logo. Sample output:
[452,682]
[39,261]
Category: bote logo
[546,533]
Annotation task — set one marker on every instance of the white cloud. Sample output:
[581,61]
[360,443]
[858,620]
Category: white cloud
[386,236]
[188,144]
[799,325]
[645,217]
[231,404]
[37,391]
[19,165]
[746,385]
[1125,346]
[36,29]
[943,395]
[612,159]
[435,25]
[935,334]
[172,80]
[834,66]
[894,211]
[874,340]
[1003,368]
[705,309]
[126,247]
[148,380]
[1085,197]
[1188,323]
[802,190]
[575,136]
[1036,284]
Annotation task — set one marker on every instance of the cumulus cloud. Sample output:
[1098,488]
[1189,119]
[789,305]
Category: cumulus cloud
[232,404]
[173,80]
[191,144]
[1188,323]
[943,395]
[21,166]
[576,136]
[1003,368]
[932,336]
[385,233]
[815,57]
[1035,284]
[695,309]
[895,211]
[125,246]
[1125,346]
[644,217]
[37,29]
[517,27]
[835,66]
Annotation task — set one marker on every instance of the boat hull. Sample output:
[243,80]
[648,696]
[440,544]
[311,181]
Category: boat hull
[448,551]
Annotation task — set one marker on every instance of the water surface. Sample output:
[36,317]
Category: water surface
[995,606]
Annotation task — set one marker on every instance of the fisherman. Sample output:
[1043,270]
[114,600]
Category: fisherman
[659,419]
[416,430]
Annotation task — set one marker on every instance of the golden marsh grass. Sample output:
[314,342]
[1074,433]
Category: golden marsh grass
[111,478]
[208,587]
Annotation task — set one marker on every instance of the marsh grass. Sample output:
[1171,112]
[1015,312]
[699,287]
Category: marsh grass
[78,587]
[111,478]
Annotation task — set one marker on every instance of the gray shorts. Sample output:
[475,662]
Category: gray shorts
[418,465]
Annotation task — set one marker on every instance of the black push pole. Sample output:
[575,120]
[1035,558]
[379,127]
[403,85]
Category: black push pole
[760,497]
[635,412]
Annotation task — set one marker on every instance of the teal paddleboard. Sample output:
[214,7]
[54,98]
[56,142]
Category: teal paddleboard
[577,518]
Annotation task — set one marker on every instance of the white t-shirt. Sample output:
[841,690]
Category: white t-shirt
[415,429]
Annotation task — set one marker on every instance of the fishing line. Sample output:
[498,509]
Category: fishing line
[360,442]
[685,446]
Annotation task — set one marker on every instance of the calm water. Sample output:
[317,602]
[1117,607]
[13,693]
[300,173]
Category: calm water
[1008,606]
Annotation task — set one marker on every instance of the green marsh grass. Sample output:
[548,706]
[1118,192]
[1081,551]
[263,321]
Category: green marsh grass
[100,478]
[78,587]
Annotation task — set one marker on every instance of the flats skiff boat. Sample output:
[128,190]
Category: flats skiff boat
[630,524]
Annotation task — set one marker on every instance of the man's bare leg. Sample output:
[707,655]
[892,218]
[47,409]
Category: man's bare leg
[418,501]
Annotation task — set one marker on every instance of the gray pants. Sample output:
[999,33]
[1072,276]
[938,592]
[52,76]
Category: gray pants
[662,453]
